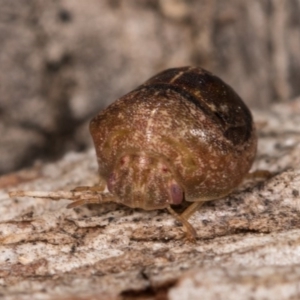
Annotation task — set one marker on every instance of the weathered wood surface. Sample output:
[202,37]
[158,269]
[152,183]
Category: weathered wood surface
[248,244]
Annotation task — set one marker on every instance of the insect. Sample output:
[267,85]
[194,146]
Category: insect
[183,135]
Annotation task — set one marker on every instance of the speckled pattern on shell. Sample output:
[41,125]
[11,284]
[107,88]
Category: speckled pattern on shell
[185,120]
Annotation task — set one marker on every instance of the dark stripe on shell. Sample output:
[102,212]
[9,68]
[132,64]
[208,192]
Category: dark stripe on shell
[210,94]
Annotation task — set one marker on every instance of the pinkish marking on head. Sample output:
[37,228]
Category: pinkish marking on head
[176,194]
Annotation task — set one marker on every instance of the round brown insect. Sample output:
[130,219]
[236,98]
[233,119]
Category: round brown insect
[183,135]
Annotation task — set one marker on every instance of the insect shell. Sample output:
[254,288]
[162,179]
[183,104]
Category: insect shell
[183,135]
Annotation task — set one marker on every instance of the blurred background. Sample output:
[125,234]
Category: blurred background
[61,61]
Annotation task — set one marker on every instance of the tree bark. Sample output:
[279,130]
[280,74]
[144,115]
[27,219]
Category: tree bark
[62,61]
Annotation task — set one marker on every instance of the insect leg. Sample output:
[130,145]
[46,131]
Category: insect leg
[191,233]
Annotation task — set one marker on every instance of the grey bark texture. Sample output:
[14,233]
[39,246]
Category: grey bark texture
[247,245]
[62,61]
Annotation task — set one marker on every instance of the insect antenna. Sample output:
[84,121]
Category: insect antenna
[78,197]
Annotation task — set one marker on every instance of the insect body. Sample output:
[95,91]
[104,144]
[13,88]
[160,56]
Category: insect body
[183,135]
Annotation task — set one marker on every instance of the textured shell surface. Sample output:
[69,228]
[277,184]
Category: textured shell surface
[183,134]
